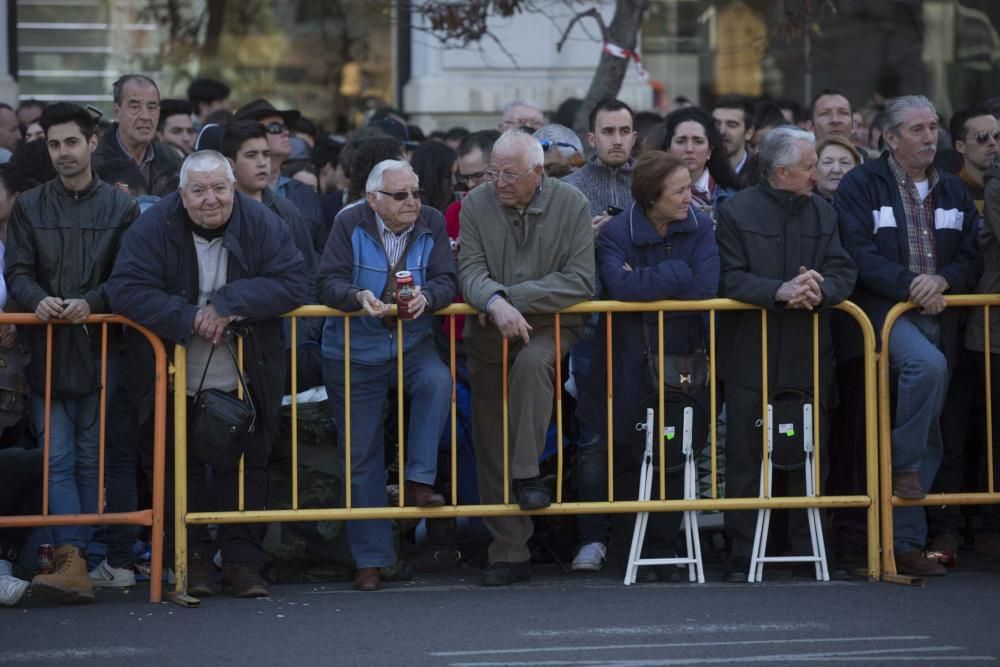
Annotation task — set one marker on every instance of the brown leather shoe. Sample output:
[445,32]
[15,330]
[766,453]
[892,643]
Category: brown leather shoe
[907,485]
[915,563]
[421,495]
[367,579]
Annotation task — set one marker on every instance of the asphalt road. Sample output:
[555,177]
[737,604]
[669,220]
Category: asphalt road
[556,619]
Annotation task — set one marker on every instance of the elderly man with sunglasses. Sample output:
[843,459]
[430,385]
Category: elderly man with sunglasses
[527,252]
[368,245]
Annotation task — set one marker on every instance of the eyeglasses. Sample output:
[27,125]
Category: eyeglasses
[493,175]
[403,194]
[276,128]
[547,144]
[465,178]
[982,136]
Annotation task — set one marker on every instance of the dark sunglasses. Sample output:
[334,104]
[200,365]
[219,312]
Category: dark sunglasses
[465,178]
[547,144]
[983,136]
[401,196]
[276,128]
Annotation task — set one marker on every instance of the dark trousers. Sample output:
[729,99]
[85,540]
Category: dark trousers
[20,494]
[743,454]
[220,492]
[120,479]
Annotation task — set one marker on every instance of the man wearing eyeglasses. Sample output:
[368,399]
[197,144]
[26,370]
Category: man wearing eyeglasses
[129,153]
[369,243]
[527,252]
[278,124]
[975,135]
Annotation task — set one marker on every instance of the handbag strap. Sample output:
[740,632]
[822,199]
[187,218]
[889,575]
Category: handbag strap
[239,375]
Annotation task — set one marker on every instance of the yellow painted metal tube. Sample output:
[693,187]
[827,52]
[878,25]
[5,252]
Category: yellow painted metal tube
[765,420]
[714,408]
[295,413]
[611,409]
[661,390]
[401,422]
[347,412]
[506,422]
[559,410]
[818,487]
[987,375]
[180,470]
[617,507]
[239,393]
[454,411]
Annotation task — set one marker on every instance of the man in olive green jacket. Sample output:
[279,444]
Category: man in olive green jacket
[526,251]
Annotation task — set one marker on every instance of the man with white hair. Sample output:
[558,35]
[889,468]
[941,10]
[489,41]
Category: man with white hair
[527,252]
[521,113]
[369,246]
[780,250]
[200,260]
[911,228]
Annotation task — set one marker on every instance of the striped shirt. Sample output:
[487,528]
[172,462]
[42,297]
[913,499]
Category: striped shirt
[919,219]
[393,243]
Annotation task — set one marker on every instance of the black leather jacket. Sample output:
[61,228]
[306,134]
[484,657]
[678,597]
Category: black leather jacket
[63,243]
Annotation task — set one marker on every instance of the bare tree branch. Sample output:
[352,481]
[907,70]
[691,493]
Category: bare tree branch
[592,13]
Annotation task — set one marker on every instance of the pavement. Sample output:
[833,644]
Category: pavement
[446,618]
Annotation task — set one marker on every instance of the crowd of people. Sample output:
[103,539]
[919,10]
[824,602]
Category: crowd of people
[204,224]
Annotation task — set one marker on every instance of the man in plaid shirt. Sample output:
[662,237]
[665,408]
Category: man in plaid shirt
[911,230]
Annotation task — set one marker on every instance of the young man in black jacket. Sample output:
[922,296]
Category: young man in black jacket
[62,243]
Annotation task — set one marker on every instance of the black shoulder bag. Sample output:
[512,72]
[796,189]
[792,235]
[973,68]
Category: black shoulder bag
[219,422]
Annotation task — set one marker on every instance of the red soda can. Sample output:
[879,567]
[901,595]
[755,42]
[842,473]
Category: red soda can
[46,558]
[404,293]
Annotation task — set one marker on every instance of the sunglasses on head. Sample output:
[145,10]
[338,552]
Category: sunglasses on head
[402,195]
[547,144]
[276,128]
[982,136]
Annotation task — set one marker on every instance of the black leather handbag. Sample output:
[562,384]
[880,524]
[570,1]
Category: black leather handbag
[219,422]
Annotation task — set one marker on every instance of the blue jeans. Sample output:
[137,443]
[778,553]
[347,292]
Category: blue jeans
[592,484]
[921,373]
[73,461]
[427,382]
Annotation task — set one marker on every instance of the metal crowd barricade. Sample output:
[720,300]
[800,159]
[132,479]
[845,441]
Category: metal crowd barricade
[888,500]
[868,500]
[152,517]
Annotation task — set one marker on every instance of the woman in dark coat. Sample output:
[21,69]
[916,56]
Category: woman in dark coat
[658,248]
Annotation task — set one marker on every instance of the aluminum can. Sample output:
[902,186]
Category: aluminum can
[46,558]
[404,293]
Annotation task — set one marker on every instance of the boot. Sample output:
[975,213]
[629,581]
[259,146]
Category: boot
[69,581]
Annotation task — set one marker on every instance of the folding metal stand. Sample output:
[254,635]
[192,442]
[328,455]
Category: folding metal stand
[690,520]
[818,556]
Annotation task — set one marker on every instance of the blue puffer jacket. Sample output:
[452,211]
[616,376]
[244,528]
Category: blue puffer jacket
[637,264]
[354,259]
[873,230]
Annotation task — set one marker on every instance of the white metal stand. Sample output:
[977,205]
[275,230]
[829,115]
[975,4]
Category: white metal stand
[818,556]
[690,521]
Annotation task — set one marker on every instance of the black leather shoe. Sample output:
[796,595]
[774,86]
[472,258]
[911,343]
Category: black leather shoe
[531,493]
[737,569]
[505,574]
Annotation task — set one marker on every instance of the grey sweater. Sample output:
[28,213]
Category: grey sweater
[602,185]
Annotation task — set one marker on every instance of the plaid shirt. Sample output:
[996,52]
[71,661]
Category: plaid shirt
[919,219]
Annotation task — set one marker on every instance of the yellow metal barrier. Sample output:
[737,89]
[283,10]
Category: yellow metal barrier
[889,501]
[348,512]
[152,517]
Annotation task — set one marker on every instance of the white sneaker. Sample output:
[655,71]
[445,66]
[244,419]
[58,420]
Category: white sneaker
[590,557]
[12,589]
[105,576]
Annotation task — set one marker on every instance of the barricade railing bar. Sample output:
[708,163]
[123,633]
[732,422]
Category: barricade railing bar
[868,500]
[152,517]
[888,500]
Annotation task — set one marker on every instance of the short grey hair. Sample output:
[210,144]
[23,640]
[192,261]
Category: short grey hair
[560,134]
[521,103]
[118,87]
[520,143]
[892,116]
[203,162]
[780,147]
[376,178]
